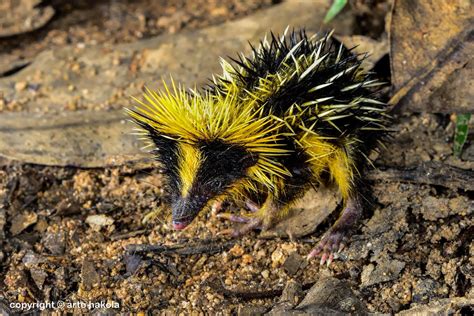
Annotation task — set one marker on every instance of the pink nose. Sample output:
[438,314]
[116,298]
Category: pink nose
[179,225]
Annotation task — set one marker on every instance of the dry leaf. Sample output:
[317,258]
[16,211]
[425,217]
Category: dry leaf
[87,139]
[304,218]
[431,46]
[22,16]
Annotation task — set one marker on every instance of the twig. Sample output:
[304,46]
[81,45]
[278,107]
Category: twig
[206,247]
[217,285]
[128,235]
[433,173]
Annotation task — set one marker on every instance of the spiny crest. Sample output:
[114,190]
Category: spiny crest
[194,117]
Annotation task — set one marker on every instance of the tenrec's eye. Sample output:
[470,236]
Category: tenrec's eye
[215,183]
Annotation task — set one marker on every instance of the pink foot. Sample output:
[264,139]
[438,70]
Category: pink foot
[332,241]
[330,244]
[250,222]
[251,206]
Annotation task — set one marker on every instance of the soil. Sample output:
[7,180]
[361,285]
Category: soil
[103,234]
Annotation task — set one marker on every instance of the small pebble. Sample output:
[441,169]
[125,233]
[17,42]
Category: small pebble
[21,85]
[277,257]
[236,251]
[99,220]
[247,259]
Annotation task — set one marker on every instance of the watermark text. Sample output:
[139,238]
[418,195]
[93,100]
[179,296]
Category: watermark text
[63,305]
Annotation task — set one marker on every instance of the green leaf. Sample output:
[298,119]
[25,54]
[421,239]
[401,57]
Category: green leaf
[460,136]
[336,7]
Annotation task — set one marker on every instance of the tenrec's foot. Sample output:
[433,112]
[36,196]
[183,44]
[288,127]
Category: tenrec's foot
[328,246]
[233,218]
[332,241]
[251,223]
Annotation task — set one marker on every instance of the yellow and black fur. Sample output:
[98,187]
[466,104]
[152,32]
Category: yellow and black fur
[298,112]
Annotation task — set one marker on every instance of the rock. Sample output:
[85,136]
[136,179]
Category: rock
[70,206]
[386,270]
[39,276]
[21,85]
[132,263]
[32,259]
[431,46]
[424,290]
[3,221]
[89,275]
[265,274]
[383,230]
[363,44]
[446,306]
[292,294]
[102,138]
[99,220]
[41,225]
[434,208]
[251,310]
[247,259]
[277,257]
[22,221]
[60,275]
[236,251]
[333,296]
[11,63]
[293,263]
[55,242]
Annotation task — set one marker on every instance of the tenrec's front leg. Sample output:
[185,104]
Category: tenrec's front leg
[261,218]
[332,240]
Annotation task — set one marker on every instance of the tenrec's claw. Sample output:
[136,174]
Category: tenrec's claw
[233,218]
[330,259]
[216,207]
[323,259]
[330,244]
[250,224]
[252,206]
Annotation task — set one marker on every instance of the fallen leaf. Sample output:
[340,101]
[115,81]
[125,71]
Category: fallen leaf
[304,218]
[83,138]
[22,16]
[431,46]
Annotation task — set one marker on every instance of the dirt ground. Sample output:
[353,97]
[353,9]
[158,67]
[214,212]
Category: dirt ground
[74,234]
